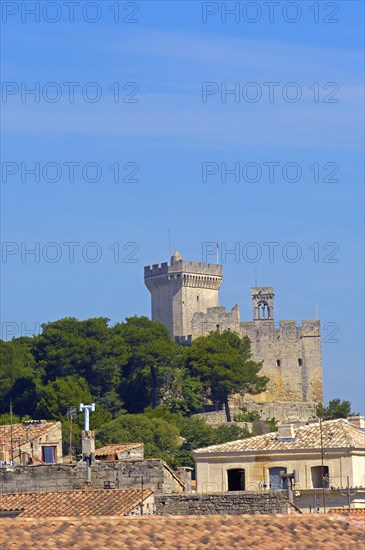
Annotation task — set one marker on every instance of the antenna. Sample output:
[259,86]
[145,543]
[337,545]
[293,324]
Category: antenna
[11,433]
[88,441]
[168,231]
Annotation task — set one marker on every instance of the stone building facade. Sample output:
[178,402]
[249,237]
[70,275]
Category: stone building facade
[185,297]
[329,459]
[32,441]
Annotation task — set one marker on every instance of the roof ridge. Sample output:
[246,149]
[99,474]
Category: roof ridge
[306,437]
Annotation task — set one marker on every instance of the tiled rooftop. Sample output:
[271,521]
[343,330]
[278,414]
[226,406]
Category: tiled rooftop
[22,433]
[336,434]
[116,448]
[317,532]
[88,502]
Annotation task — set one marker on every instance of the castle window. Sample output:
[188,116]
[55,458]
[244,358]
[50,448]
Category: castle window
[197,298]
[263,310]
[217,328]
[278,363]
[300,362]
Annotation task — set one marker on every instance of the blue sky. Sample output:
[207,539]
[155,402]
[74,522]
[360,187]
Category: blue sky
[163,139]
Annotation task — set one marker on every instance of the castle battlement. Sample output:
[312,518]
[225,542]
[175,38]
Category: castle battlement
[183,266]
[156,269]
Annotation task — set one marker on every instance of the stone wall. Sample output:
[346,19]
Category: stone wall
[284,412]
[120,474]
[232,503]
[291,354]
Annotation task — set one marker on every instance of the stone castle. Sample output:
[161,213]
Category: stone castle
[185,298]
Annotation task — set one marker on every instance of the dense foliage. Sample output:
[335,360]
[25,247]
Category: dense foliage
[144,384]
[335,409]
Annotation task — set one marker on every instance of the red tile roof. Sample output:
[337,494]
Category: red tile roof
[25,432]
[336,434]
[115,448]
[317,532]
[84,502]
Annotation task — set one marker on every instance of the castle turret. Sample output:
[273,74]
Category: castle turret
[263,303]
[181,289]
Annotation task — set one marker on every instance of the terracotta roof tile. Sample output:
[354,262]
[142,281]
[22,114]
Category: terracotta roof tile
[185,532]
[116,448]
[22,433]
[336,434]
[87,502]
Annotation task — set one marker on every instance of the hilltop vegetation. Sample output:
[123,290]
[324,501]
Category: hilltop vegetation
[144,384]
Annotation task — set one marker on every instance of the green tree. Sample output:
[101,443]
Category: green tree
[90,349]
[8,418]
[19,376]
[160,439]
[335,409]
[60,394]
[222,361]
[152,363]
[195,432]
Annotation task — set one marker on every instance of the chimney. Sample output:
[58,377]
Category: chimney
[184,472]
[286,433]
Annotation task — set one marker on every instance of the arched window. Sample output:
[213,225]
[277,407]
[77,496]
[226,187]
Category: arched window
[236,479]
[263,310]
[278,363]
[300,361]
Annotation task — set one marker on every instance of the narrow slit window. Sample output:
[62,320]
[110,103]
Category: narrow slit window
[278,363]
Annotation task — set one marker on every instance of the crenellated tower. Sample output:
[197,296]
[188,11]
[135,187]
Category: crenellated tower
[181,289]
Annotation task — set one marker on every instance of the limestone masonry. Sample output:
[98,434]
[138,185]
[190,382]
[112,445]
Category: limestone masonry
[185,298]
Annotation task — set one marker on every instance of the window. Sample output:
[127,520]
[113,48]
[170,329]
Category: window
[263,310]
[236,479]
[300,362]
[317,477]
[278,363]
[49,454]
[276,481]
[197,298]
